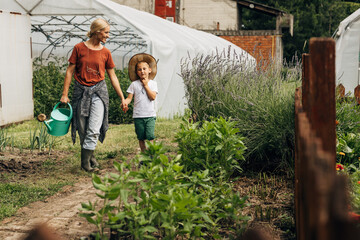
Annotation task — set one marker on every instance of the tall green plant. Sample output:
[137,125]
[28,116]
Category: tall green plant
[261,101]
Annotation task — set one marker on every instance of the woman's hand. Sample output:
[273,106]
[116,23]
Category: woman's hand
[64,99]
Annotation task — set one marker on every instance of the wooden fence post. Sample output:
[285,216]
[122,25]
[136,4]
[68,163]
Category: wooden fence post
[322,88]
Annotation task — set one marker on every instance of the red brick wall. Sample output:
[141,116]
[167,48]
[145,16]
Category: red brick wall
[263,48]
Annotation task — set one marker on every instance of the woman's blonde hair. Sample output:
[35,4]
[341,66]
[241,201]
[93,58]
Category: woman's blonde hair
[96,26]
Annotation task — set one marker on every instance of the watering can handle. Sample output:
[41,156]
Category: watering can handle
[71,110]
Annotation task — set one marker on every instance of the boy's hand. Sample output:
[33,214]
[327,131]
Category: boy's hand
[145,81]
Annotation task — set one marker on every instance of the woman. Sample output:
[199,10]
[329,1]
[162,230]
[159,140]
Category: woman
[90,101]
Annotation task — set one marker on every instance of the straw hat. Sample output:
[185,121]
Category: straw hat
[141,57]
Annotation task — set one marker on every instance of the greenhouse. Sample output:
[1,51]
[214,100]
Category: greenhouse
[348,52]
[56,26]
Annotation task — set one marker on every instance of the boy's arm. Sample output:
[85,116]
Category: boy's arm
[129,98]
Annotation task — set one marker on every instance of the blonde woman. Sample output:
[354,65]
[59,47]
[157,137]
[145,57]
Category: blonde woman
[90,101]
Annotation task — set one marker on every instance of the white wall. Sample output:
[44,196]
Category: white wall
[205,14]
[15,68]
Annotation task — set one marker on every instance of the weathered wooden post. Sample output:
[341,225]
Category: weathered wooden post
[322,89]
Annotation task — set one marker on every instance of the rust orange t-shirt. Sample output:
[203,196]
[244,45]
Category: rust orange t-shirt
[90,65]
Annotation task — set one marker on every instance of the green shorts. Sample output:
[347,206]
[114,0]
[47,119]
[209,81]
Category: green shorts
[145,128]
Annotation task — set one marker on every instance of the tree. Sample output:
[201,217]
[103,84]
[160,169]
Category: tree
[312,18]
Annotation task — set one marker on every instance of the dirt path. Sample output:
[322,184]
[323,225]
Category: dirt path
[59,212]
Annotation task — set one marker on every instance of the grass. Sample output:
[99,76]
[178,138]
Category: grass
[62,166]
[15,195]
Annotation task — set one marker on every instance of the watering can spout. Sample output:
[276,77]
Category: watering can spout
[47,124]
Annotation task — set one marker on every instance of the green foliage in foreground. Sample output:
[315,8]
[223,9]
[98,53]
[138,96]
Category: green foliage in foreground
[215,146]
[260,101]
[161,201]
[348,131]
[48,81]
[14,196]
[348,146]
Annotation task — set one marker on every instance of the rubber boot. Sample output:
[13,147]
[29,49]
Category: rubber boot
[85,159]
[93,162]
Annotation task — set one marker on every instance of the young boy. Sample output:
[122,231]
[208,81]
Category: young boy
[142,70]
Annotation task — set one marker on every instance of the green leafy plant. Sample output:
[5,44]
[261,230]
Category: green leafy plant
[216,145]
[161,201]
[348,146]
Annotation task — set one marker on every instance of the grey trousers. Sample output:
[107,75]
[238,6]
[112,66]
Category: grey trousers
[89,127]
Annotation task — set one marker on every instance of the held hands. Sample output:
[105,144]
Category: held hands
[124,105]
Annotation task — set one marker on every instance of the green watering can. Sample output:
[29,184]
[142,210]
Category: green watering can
[59,122]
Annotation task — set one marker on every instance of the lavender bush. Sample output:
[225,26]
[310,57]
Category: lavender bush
[259,99]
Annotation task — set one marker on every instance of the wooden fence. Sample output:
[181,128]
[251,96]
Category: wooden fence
[321,196]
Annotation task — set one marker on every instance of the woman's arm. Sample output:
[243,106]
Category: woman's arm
[68,77]
[116,85]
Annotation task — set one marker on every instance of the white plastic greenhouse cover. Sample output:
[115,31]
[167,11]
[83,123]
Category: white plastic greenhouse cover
[168,42]
[348,52]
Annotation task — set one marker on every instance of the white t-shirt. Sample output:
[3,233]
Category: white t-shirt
[143,106]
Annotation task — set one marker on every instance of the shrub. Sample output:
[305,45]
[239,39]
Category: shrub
[215,146]
[261,101]
[116,114]
[48,81]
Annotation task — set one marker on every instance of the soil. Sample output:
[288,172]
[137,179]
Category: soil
[58,215]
